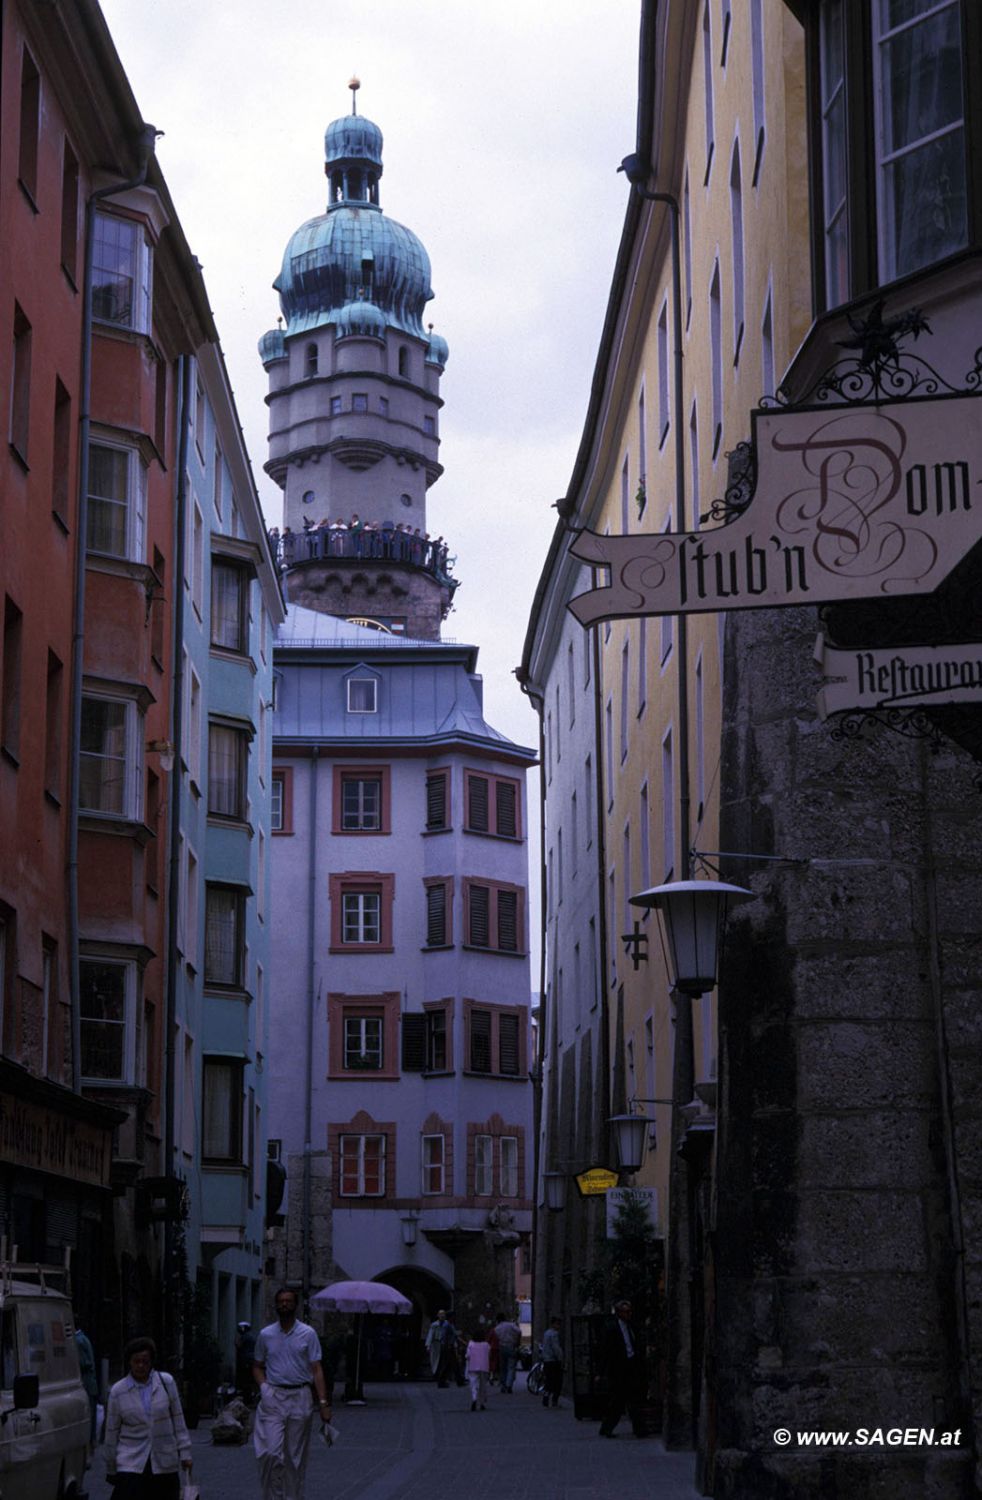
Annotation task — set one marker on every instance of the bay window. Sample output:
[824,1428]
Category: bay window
[107,1007]
[109,759]
[117,502]
[228,759]
[122,266]
[891,117]
[229,606]
[224,935]
[221,1111]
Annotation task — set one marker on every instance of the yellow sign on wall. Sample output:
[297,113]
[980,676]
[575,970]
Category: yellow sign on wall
[596,1180]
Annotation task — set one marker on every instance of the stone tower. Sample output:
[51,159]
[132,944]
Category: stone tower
[354,404]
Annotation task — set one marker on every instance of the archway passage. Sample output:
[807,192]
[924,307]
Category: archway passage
[395,1348]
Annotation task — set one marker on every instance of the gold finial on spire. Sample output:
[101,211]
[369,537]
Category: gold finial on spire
[354,84]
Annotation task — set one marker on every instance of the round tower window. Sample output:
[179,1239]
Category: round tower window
[308,497]
[406,499]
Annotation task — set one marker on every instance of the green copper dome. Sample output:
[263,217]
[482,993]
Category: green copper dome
[353,252]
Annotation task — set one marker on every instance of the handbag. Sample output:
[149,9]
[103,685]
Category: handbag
[329,1435]
[190,1491]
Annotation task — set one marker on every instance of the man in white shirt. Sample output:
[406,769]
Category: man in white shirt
[286,1364]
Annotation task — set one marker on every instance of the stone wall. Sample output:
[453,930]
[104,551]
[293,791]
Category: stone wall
[373,590]
[285,1247]
[849,1163]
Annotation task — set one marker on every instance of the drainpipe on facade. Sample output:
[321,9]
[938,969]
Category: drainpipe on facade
[172,1291]
[679,1251]
[145,148]
[601,871]
[308,1075]
[538,1068]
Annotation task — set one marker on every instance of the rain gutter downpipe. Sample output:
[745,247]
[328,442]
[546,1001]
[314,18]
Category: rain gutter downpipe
[637,170]
[537,1074]
[145,148]
[308,1102]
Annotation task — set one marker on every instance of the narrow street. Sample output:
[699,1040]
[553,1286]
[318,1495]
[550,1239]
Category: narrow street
[414,1442]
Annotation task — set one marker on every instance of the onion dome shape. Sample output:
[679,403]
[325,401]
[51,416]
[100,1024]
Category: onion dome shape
[352,252]
[437,351]
[360,319]
[272,346]
[331,258]
[354,140]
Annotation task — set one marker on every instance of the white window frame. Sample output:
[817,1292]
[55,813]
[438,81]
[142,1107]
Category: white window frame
[135,502]
[355,915]
[132,759]
[130,998]
[363,1037]
[141,263]
[483,1166]
[362,682]
[277,802]
[427,1167]
[508,1183]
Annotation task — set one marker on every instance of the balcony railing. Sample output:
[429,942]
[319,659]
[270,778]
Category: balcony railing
[364,543]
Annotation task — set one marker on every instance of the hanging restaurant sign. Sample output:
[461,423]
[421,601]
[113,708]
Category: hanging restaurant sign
[595,1180]
[898,677]
[871,501]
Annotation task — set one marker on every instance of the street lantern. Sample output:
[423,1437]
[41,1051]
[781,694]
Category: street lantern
[630,1139]
[408,1223]
[555,1185]
[692,913]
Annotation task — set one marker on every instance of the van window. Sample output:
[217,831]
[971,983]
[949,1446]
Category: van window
[8,1349]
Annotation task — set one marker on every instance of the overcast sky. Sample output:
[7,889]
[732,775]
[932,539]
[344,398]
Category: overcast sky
[504,122]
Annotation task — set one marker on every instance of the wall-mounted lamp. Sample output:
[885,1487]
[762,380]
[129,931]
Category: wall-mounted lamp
[555,1185]
[692,915]
[408,1224]
[166,749]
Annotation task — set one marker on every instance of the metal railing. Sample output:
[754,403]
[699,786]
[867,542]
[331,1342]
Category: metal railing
[367,543]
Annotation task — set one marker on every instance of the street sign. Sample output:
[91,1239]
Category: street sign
[898,677]
[850,502]
[596,1180]
[645,1196]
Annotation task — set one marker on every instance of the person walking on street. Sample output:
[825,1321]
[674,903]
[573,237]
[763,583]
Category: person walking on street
[552,1363]
[509,1337]
[90,1379]
[477,1363]
[287,1364]
[624,1361]
[245,1350]
[147,1442]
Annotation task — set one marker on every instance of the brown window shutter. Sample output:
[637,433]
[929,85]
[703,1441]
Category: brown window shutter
[508,1044]
[436,801]
[477,803]
[413,1043]
[506,800]
[480,1041]
[508,921]
[436,915]
[480,912]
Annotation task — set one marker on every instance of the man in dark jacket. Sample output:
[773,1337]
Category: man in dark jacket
[623,1357]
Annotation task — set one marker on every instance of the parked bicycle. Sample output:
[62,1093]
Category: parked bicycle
[536,1375]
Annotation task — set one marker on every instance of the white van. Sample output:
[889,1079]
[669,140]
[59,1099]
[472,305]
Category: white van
[44,1410]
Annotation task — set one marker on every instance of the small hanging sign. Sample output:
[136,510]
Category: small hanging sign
[898,677]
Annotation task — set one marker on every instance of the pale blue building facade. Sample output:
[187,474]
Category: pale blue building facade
[232,606]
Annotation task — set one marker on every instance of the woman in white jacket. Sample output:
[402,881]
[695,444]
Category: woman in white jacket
[147,1442]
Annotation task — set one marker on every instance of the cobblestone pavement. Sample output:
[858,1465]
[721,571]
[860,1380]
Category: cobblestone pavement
[414,1442]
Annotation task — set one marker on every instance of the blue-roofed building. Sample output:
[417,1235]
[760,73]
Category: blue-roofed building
[400,1100]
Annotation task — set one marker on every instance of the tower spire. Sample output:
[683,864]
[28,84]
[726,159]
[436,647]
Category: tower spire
[354,85]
